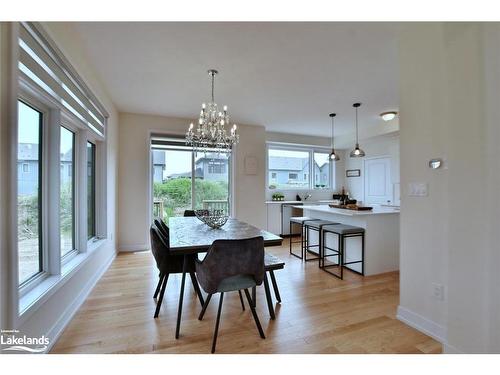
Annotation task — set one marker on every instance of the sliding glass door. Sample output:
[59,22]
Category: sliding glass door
[174,167]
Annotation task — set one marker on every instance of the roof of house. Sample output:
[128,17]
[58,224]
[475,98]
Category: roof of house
[286,163]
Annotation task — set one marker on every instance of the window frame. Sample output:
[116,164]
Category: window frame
[68,125]
[42,274]
[310,149]
[95,236]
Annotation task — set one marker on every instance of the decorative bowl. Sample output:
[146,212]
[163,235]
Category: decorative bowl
[213,218]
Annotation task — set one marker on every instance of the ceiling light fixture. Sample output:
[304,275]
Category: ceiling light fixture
[333,155]
[357,152]
[211,132]
[388,116]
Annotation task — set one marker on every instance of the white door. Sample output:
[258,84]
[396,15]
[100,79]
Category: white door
[378,187]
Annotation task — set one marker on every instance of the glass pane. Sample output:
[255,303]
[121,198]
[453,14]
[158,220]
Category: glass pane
[67,202]
[212,181]
[171,174]
[29,174]
[321,170]
[91,231]
[288,169]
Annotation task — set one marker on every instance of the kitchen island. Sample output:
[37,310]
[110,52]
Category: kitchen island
[381,235]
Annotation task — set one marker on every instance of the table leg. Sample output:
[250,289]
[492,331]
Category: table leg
[181,297]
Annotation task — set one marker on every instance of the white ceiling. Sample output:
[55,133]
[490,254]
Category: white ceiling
[286,76]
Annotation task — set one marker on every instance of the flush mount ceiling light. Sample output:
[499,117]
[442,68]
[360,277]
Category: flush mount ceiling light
[211,131]
[357,152]
[388,116]
[333,155]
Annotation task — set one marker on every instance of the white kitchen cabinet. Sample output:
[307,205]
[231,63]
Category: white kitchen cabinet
[274,218]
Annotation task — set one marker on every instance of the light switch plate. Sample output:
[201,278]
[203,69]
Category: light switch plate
[418,189]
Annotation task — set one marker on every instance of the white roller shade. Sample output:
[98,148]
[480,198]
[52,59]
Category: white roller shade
[42,64]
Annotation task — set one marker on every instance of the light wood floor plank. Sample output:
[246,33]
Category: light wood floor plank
[319,314]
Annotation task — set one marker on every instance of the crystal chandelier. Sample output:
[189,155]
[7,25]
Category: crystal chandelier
[211,132]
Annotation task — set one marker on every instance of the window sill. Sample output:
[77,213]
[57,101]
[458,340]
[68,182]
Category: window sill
[32,300]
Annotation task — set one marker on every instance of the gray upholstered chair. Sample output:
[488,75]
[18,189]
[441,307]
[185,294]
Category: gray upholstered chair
[232,265]
[168,264]
[160,224]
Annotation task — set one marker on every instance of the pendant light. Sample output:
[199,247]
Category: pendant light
[333,155]
[357,152]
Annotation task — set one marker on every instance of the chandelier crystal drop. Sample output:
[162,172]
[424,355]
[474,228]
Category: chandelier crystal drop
[210,132]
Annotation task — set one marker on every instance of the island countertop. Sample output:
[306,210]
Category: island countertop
[377,210]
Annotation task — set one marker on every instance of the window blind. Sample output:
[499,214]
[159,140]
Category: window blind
[44,66]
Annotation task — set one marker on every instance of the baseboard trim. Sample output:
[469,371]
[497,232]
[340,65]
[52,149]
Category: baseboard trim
[68,314]
[422,324]
[449,349]
[132,248]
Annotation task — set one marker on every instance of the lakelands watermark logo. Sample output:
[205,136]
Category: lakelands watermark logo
[12,341]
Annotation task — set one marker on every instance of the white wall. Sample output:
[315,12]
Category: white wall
[134,206]
[386,145]
[449,90]
[54,313]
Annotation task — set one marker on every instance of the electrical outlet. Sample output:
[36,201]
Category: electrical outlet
[438,291]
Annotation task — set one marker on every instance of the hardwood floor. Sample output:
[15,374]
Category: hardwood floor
[319,314]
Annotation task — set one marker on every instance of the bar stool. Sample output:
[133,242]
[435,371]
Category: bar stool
[316,226]
[342,231]
[299,220]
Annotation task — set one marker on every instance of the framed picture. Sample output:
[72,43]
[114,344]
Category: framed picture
[353,172]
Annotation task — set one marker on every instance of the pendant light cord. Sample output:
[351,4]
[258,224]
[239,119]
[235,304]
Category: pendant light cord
[213,75]
[356,126]
[332,131]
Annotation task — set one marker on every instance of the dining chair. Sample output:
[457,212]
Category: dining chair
[169,264]
[160,224]
[189,213]
[232,265]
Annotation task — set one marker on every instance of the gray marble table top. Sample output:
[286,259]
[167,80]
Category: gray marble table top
[188,235]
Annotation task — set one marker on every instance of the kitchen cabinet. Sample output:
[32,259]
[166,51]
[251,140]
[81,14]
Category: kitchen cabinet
[274,218]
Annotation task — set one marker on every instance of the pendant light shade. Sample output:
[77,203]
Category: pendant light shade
[333,155]
[357,152]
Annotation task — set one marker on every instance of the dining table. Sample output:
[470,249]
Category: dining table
[189,236]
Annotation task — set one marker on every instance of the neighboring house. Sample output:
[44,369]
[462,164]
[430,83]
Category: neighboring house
[286,170]
[158,165]
[212,169]
[207,168]
[27,168]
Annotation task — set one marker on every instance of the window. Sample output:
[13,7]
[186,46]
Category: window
[216,166]
[285,166]
[298,167]
[211,190]
[56,115]
[67,191]
[29,193]
[184,180]
[91,213]
[321,170]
